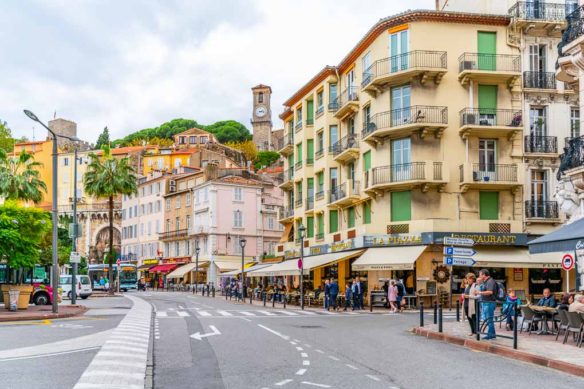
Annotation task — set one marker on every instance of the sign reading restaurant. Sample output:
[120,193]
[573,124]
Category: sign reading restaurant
[480,239]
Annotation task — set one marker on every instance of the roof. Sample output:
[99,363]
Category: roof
[262,86]
[238,181]
[32,142]
[194,130]
[127,150]
[563,239]
[314,81]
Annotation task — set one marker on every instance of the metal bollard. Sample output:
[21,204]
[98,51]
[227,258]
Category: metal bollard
[422,314]
[251,297]
[478,319]
[226,295]
[440,318]
[285,300]
[515,316]
[213,290]
[457,310]
[264,297]
[273,301]
[435,312]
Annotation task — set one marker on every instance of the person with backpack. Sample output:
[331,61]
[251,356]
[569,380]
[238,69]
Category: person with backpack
[488,295]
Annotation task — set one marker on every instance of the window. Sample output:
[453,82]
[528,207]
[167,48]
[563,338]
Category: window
[157,187]
[204,139]
[537,59]
[310,227]
[333,221]
[149,189]
[206,194]
[157,226]
[320,182]
[236,246]
[351,217]
[270,223]
[299,116]
[177,248]
[238,194]
[489,205]
[182,140]
[158,206]
[320,221]
[142,209]
[160,163]
[167,225]
[193,140]
[135,210]
[167,205]
[177,163]
[177,202]
[188,199]
[367,213]
[319,100]
[260,97]
[299,152]
[401,206]
[487,157]
[188,221]
[310,112]
[539,192]
[65,161]
[367,161]
[537,122]
[149,228]
[398,47]
[177,223]
[188,247]
[400,105]
[320,141]
[366,118]
[237,219]
[574,122]
[149,208]
[487,45]
[130,216]
[333,92]
[333,136]
[334,178]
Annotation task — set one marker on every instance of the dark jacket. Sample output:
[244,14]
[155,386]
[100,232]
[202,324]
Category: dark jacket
[327,288]
[348,293]
[333,289]
[547,302]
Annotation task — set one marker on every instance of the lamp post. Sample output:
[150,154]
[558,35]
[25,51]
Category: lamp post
[301,231]
[75,230]
[242,243]
[197,250]
[55,261]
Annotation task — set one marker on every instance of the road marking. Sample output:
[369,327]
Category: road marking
[351,366]
[305,363]
[181,307]
[372,377]
[199,336]
[282,383]
[299,349]
[203,313]
[304,355]
[49,354]
[314,384]
[247,313]
[297,341]
[301,372]
[267,313]
[274,332]
[183,313]
[293,343]
[288,313]
[307,345]
[161,314]
[334,358]
[224,313]
[319,351]
[307,313]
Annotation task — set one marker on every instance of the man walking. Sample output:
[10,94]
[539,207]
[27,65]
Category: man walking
[488,303]
[333,294]
[326,294]
[401,292]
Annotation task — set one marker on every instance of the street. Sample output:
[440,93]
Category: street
[201,342]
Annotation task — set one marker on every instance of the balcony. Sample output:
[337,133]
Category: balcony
[543,211]
[573,157]
[405,176]
[403,122]
[319,154]
[174,235]
[309,161]
[298,126]
[487,122]
[319,195]
[298,165]
[310,203]
[286,145]
[403,68]
[541,145]
[539,15]
[286,213]
[489,68]
[345,194]
[346,149]
[288,179]
[200,230]
[319,112]
[346,104]
[539,80]
[490,176]
[298,203]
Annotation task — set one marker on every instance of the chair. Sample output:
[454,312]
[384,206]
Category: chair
[564,322]
[575,326]
[530,317]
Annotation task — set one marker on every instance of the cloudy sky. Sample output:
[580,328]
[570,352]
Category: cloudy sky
[134,64]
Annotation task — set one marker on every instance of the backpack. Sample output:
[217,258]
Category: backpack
[500,294]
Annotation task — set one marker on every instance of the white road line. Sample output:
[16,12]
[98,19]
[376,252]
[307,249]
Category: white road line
[282,383]
[304,355]
[299,349]
[247,313]
[274,332]
[305,362]
[334,358]
[288,313]
[319,351]
[181,307]
[301,372]
[308,313]
[183,313]
[267,313]
[307,345]
[204,313]
[161,314]
[372,377]
[224,313]
[297,341]
[351,366]
[49,354]
[314,384]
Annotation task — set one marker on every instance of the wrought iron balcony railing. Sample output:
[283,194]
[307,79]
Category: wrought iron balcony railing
[541,144]
[396,173]
[538,10]
[541,209]
[298,202]
[490,117]
[298,165]
[575,27]
[319,153]
[489,62]
[404,116]
[319,195]
[349,94]
[573,156]
[539,80]
[309,203]
[319,111]
[344,190]
[286,212]
[491,172]
[347,142]
[287,140]
[174,234]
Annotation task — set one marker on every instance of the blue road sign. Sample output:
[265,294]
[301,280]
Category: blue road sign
[458,261]
[459,251]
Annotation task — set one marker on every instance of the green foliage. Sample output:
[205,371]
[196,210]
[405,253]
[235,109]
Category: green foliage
[64,243]
[20,178]
[265,158]
[6,141]
[248,148]
[22,230]
[225,131]
[103,139]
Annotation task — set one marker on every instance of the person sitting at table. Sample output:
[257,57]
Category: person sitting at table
[577,305]
[509,306]
[567,299]
[548,299]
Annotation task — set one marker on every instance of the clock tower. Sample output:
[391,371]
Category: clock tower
[261,121]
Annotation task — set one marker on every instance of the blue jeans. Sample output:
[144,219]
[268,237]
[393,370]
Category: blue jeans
[488,313]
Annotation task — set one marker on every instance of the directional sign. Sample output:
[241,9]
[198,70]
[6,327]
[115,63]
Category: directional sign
[567,262]
[74,257]
[199,336]
[459,251]
[459,261]
[458,241]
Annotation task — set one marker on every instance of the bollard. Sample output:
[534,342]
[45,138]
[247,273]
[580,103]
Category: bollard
[478,319]
[440,318]
[213,290]
[273,300]
[251,297]
[421,314]
[435,312]
[264,297]
[285,300]
[515,315]
[457,310]
[226,295]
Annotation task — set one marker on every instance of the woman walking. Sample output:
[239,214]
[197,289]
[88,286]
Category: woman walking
[469,301]
[392,296]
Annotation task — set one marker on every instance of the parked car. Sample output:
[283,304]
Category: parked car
[83,289]
[42,294]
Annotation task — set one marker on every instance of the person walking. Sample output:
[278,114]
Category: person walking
[392,296]
[355,294]
[488,295]
[333,294]
[359,289]
[401,292]
[469,301]
[348,296]
[326,294]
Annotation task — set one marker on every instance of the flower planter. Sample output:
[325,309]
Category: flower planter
[23,299]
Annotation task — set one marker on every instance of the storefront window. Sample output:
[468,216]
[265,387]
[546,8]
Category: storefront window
[539,279]
[331,272]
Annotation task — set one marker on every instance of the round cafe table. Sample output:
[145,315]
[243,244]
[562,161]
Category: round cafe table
[546,312]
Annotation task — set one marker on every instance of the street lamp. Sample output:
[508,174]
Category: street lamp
[55,262]
[197,250]
[242,243]
[301,231]
[75,224]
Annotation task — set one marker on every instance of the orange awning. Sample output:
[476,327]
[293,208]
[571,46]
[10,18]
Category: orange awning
[286,233]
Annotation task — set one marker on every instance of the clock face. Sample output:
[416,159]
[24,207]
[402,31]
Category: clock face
[261,111]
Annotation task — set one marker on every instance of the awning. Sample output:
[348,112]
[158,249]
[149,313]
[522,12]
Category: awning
[227,265]
[145,267]
[389,258]
[165,268]
[286,233]
[564,239]
[514,257]
[182,270]
[246,269]
[290,267]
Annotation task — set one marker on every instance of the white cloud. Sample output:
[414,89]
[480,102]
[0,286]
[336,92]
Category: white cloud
[136,64]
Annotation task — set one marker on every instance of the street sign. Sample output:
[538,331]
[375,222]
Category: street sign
[465,252]
[118,262]
[567,262]
[299,264]
[459,261]
[458,241]
[74,257]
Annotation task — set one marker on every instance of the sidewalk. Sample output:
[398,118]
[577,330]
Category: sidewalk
[41,312]
[541,350]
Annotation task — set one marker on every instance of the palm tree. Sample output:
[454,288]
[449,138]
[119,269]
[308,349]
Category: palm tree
[108,177]
[20,177]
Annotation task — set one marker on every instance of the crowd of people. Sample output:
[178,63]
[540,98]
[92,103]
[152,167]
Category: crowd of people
[354,292]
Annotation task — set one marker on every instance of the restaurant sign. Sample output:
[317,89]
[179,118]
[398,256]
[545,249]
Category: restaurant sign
[392,240]
[342,245]
[150,262]
[480,239]
[177,260]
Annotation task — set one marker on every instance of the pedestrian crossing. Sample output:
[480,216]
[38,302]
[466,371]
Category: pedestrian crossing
[200,313]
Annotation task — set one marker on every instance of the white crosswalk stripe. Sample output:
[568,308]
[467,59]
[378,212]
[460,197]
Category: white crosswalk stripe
[224,313]
[288,313]
[308,313]
[204,313]
[161,314]
[183,313]
[247,313]
[267,313]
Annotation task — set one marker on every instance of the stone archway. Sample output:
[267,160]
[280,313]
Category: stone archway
[101,244]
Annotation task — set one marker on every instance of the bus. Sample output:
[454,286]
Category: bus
[128,275]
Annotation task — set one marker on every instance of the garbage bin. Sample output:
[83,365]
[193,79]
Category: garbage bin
[14,295]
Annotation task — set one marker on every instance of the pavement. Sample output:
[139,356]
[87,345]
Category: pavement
[41,312]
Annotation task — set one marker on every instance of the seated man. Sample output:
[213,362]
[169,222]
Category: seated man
[548,300]
[577,305]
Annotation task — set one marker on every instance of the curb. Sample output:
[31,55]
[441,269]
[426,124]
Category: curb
[45,316]
[507,352]
[149,378]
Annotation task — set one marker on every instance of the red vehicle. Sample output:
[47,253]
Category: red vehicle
[42,294]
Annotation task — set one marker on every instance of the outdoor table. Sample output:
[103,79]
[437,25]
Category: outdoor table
[545,312]
[409,299]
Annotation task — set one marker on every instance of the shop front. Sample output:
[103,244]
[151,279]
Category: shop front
[144,270]
[161,271]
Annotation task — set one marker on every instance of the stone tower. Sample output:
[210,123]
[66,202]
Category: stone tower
[261,121]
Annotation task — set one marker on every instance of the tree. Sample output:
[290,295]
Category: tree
[109,177]
[248,148]
[20,178]
[265,158]
[103,139]
[229,131]
[64,244]
[6,140]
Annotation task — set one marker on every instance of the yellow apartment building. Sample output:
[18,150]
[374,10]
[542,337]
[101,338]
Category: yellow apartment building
[415,135]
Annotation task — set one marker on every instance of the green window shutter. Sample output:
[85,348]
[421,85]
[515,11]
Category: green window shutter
[310,186]
[487,47]
[310,111]
[333,221]
[299,152]
[310,227]
[487,97]
[351,217]
[320,220]
[401,206]
[291,161]
[367,161]
[310,149]
[299,190]
[320,179]
[367,213]
[489,205]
